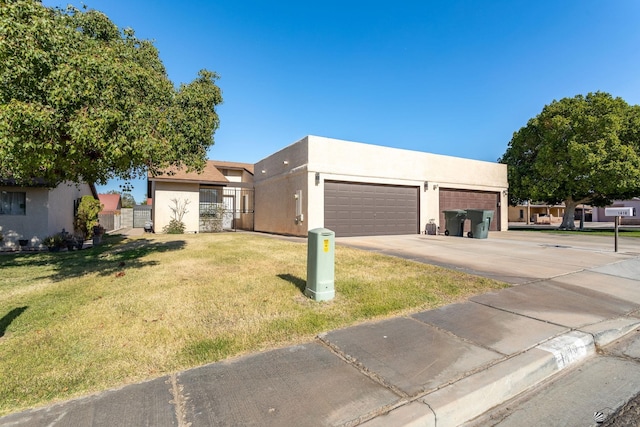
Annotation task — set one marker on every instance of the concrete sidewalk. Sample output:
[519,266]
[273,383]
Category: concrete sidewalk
[441,367]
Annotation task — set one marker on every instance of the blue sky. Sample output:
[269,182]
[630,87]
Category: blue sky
[447,77]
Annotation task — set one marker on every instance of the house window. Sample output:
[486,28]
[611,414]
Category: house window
[209,200]
[13,203]
[521,213]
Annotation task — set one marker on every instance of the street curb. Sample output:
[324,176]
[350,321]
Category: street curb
[472,396]
[570,348]
[413,414]
[608,331]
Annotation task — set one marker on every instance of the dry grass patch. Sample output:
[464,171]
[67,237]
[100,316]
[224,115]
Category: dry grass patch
[77,322]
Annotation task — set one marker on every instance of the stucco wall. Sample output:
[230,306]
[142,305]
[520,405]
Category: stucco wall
[34,224]
[61,200]
[331,159]
[46,212]
[277,179]
[164,193]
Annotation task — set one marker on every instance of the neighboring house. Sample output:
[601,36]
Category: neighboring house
[227,185]
[361,189]
[549,214]
[34,212]
[599,216]
[110,215]
[536,213]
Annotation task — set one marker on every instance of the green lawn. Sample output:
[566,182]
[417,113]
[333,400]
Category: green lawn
[72,323]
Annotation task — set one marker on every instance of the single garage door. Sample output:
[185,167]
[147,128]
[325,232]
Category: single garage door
[467,199]
[356,209]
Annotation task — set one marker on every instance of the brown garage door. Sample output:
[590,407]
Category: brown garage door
[355,209]
[467,199]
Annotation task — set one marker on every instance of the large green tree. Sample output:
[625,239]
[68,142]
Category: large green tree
[584,149]
[82,100]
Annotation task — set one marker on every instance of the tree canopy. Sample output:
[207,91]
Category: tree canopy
[126,199]
[82,100]
[584,149]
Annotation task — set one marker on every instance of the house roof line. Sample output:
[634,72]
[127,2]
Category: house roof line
[191,181]
[211,174]
[110,202]
[249,167]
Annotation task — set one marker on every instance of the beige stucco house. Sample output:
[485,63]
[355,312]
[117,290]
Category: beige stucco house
[361,189]
[536,213]
[32,213]
[227,184]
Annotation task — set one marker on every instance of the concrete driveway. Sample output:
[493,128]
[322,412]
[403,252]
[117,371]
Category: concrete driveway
[514,257]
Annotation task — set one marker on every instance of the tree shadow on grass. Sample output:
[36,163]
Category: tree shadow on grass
[296,281]
[8,318]
[113,255]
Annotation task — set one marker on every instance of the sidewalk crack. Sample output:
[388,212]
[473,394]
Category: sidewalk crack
[179,401]
[359,366]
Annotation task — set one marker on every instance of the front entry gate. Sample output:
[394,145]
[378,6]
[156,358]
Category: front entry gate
[226,209]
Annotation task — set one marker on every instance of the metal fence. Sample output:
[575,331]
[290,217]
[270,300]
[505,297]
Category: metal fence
[226,209]
[141,214]
[238,208]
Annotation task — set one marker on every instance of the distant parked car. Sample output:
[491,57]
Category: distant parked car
[148,226]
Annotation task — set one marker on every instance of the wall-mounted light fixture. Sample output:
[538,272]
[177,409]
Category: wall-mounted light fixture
[435,186]
[426,185]
[505,193]
[264,171]
[286,162]
[317,178]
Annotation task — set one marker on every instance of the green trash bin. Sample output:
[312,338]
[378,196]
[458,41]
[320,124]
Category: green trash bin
[454,222]
[480,222]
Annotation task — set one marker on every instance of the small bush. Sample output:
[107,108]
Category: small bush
[87,215]
[174,227]
[54,241]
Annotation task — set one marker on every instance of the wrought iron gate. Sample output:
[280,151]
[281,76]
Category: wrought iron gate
[226,209]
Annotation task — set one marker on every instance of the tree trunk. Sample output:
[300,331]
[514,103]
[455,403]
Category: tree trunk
[568,219]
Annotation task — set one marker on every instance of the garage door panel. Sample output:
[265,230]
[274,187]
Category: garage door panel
[370,209]
[468,199]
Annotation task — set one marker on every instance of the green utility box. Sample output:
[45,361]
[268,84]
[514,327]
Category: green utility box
[454,222]
[320,264]
[480,222]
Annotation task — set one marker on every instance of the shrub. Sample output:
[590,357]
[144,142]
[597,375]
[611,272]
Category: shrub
[87,215]
[54,241]
[174,227]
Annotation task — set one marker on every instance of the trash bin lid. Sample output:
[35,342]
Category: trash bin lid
[480,210]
